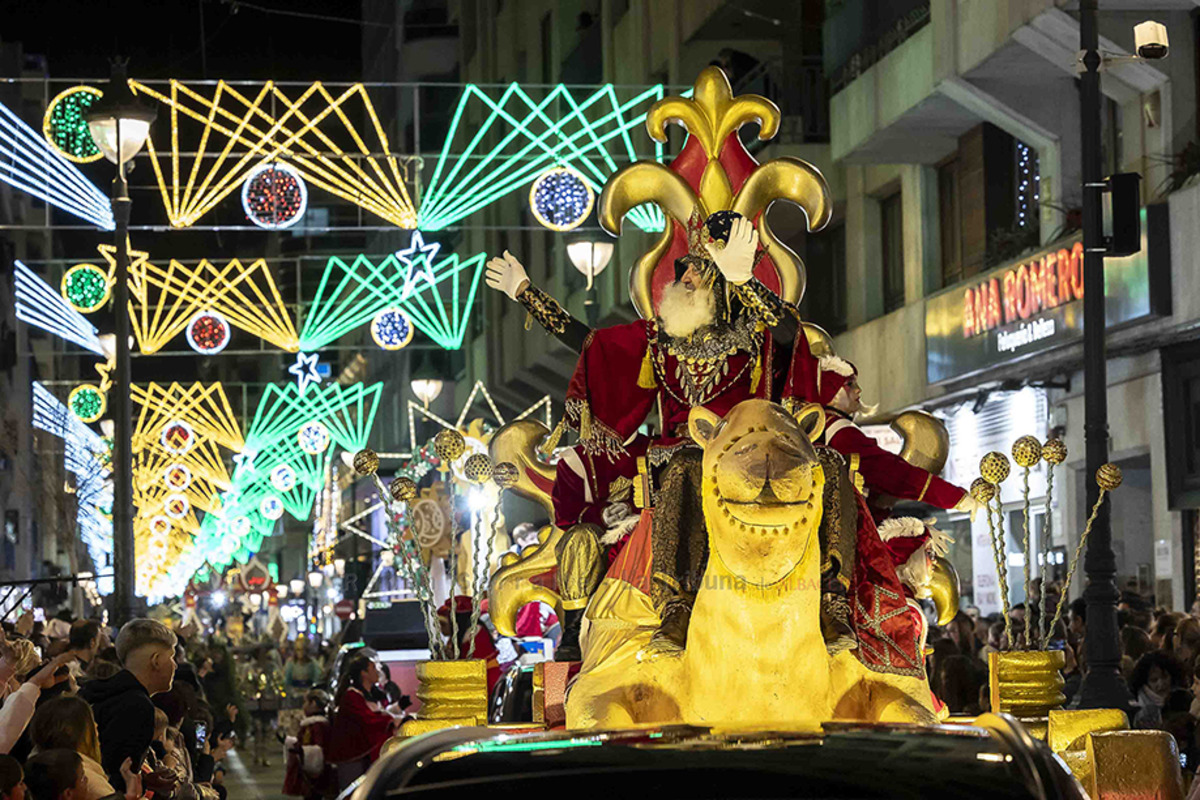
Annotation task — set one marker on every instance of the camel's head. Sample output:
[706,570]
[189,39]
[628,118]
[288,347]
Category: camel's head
[762,485]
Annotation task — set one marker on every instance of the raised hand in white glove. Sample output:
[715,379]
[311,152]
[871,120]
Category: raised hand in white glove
[505,274]
[736,258]
[969,504]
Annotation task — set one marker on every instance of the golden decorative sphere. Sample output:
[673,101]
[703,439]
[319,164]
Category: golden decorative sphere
[1108,477]
[982,490]
[1027,451]
[1054,451]
[505,474]
[366,461]
[994,467]
[478,468]
[449,445]
[403,489]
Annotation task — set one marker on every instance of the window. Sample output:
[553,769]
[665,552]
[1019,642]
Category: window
[892,232]
[824,300]
[950,220]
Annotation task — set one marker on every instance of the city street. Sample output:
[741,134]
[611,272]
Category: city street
[248,781]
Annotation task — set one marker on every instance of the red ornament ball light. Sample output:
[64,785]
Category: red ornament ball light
[274,196]
[208,333]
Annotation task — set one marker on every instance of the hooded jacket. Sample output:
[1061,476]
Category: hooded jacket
[125,718]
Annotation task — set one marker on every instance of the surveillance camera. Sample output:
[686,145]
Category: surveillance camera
[1151,40]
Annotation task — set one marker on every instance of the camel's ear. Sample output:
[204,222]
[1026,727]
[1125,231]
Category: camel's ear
[702,425]
[812,420]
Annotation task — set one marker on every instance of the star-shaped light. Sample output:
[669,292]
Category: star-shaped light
[417,259]
[305,370]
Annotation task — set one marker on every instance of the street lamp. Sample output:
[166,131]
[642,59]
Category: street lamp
[1103,686]
[590,258]
[426,383]
[120,124]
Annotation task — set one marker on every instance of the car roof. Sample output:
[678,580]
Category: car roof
[834,760]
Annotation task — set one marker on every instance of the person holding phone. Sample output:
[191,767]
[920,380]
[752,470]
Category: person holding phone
[122,705]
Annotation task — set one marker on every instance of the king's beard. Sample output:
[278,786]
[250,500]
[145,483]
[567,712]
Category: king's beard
[683,311]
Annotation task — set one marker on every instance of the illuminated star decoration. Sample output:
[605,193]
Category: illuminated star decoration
[413,258]
[29,163]
[520,138]
[305,370]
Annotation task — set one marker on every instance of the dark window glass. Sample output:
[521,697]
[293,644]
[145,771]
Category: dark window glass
[892,232]
[950,220]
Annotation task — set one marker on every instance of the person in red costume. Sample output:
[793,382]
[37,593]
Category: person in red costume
[833,382]
[359,727]
[485,646]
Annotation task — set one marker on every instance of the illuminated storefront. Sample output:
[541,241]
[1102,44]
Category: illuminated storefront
[1000,344]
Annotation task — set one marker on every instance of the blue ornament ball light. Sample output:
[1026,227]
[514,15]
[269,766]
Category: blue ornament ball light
[392,329]
[560,199]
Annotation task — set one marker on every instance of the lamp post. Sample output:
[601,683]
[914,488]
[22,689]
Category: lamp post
[120,124]
[1103,686]
[590,258]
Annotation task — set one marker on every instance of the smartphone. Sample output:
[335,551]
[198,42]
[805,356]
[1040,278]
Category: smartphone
[201,733]
[39,615]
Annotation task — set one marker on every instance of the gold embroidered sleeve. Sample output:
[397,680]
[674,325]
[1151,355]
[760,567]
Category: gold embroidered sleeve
[553,317]
[762,304]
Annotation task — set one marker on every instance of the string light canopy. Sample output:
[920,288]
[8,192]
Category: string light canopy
[86,287]
[208,333]
[39,305]
[87,402]
[391,329]
[274,196]
[167,298]
[270,125]
[65,124]
[33,166]
[436,295]
[560,199]
[513,139]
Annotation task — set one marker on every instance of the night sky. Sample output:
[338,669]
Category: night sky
[163,39]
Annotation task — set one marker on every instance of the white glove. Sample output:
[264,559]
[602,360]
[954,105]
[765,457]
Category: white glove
[505,274]
[968,504]
[736,259]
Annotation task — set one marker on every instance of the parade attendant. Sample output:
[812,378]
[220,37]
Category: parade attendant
[359,726]
[833,382]
[485,646]
[307,773]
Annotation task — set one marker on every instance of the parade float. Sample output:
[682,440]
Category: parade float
[759,580]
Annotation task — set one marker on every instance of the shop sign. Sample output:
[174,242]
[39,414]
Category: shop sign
[1035,304]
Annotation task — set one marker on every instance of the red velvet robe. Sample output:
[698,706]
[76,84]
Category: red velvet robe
[887,472]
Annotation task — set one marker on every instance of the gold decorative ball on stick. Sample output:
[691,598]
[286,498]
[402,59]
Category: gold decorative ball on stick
[994,467]
[982,490]
[1054,451]
[449,445]
[1109,477]
[366,461]
[478,468]
[1027,451]
[505,474]
[403,490]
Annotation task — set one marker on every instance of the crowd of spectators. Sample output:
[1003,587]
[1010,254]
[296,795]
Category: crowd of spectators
[1160,658]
